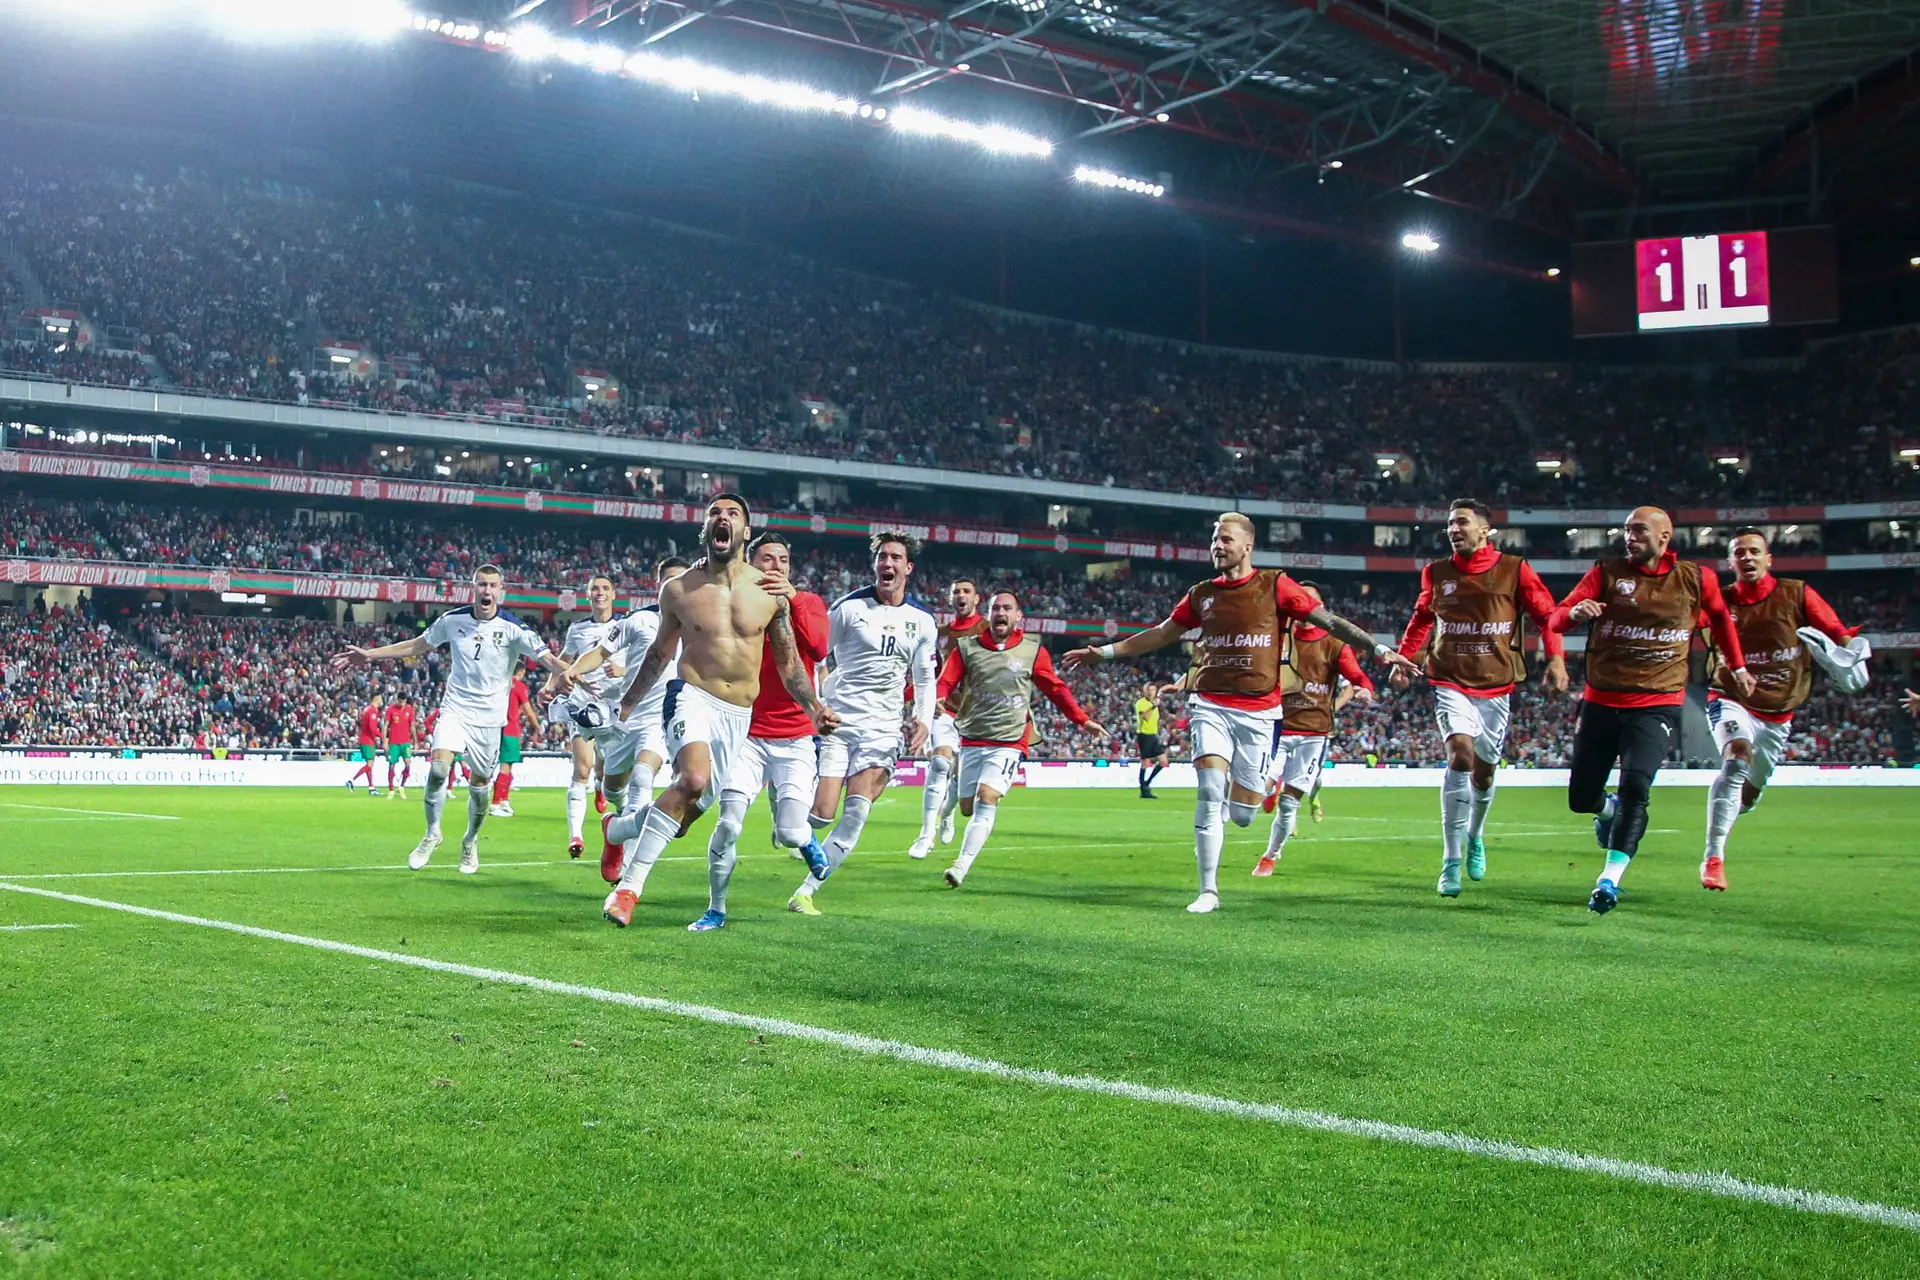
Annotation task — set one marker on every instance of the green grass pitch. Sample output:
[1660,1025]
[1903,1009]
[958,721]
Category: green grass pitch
[178,1100]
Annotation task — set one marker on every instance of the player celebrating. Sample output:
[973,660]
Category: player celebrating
[989,679]
[1236,686]
[520,719]
[368,747]
[1468,619]
[719,618]
[1643,607]
[634,745]
[399,731]
[485,647]
[1768,613]
[586,710]
[937,801]
[1319,661]
[877,644]
[779,750]
[1146,737]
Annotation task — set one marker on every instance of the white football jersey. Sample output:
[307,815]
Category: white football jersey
[873,651]
[584,636]
[628,639]
[484,658]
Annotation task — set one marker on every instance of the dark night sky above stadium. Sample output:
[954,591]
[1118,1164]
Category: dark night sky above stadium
[996,230]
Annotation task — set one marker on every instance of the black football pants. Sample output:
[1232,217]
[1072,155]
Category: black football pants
[1639,740]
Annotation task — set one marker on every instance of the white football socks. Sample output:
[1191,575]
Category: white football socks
[478,799]
[1456,803]
[1723,804]
[723,848]
[1477,816]
[846,834]
[1210,826]
[979,827]
[576,809]
[657,830]
[1286,813]
[435,798]
[934,797]
[1616,868]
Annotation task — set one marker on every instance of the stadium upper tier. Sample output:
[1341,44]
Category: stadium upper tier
[493,309]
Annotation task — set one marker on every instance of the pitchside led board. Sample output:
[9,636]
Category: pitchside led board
[1726,280]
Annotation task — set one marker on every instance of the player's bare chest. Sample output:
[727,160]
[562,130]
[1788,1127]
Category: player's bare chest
[722,610]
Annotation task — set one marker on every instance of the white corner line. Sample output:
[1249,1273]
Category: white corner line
[33,928]
[91,813]
[1722,1185]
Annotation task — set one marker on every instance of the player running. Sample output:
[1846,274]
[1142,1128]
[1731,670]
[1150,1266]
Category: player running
[1236,696]
[520,720]
[1468,620]
[779,751]
[367,749]
[989,680]
[1319,661]
[877,644]
[633,743]
[485,647]
[1771,615]
[1642,608]
[938,799]
[720,619]
[399,731]
[586,710]
[1146,738]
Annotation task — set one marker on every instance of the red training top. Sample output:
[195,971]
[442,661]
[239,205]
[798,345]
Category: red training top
[400,725]
[1713,609]
[1820,615]
[1293,602]
[775,714]
[370,727]
[1045,679]
[1535,601]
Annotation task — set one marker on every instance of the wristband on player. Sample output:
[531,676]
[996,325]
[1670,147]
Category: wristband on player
[1381,650]
[1105,651]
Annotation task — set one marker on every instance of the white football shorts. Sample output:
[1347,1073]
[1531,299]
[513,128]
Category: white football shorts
[1482,719]
[946,734]
[996,767]
[695,716]
[853,749]
[1297,759]
[1732,722]
[477,744]
[1242,738]
[786,763]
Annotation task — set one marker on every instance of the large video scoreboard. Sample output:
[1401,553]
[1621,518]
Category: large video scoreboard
[1705,282]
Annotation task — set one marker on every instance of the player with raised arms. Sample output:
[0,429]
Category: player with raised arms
[1467,620]
[937,801]
[988,679]
[718,618]
[485,647]
[1236,695]
[1640,610]
[1324,677]
[1772,617]
[877,644]
[779,750]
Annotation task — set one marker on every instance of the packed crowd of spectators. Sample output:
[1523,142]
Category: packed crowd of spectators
[69,679]
[481,305]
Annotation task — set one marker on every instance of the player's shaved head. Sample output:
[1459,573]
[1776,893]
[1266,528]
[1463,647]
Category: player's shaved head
[1648,531]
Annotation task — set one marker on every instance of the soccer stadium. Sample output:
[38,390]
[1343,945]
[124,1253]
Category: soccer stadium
[1323,598]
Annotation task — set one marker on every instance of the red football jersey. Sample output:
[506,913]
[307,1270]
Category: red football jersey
[400,725]
[370,727]
[775,714]
[517,698]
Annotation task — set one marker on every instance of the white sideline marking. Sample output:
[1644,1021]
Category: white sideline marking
[249,871]
[33,928]
[91,813]
[1715,1184]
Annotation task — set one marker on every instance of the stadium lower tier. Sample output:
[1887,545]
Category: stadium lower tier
[158,678]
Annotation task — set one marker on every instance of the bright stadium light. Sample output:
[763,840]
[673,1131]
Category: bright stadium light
[1419,242]
[994,138]
[694,77]
[1117,182]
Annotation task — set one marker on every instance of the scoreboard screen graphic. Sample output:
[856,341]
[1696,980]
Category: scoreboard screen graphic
[1702,282]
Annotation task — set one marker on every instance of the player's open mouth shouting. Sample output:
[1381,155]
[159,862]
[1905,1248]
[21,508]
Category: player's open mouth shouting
[720,535]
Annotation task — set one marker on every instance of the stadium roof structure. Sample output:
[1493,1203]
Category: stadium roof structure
[1528,110]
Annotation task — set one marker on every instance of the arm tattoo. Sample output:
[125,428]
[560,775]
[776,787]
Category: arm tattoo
[786,659]
[1350,632]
